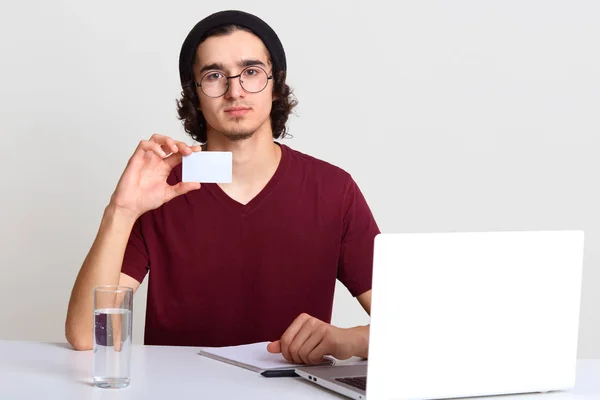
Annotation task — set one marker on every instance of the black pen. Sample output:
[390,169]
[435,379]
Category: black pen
[279,373]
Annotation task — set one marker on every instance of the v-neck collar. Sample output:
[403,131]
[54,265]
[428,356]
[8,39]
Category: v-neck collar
[253,204]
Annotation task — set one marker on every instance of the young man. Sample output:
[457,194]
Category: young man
[253,260]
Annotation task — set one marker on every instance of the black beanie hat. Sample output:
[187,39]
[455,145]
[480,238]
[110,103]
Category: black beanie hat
[230,17]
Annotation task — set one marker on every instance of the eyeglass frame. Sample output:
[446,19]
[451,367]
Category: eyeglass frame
[269,77]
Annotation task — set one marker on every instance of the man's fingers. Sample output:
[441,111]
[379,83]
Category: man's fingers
[274,347]
[321,350]
[163,141]
[169,145]
[290,333]
[179,189]
[154,147]
[311,343]
[308,328]
[184,148]
[173,160]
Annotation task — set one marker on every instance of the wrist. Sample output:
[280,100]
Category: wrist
[360,335]
[114,214]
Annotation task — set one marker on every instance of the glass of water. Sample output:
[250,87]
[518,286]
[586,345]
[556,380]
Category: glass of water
[113,309]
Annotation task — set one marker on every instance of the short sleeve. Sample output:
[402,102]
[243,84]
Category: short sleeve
[136,261]
[355,267]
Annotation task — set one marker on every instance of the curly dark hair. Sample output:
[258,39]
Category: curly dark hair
[194,122]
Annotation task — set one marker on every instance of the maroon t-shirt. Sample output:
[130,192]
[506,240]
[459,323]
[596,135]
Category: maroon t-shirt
[223,273]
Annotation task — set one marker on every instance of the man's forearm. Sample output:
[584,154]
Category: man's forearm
[102,266]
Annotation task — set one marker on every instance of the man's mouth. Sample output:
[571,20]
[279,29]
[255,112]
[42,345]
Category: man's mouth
[236,111]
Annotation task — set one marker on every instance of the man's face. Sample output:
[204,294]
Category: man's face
[237,114]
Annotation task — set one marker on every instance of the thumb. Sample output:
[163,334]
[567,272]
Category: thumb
[274,347]
[179,189]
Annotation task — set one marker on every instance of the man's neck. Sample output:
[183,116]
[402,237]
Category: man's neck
[254,159]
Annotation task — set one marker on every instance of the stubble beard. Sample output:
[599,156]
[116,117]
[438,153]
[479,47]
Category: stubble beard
[236,135]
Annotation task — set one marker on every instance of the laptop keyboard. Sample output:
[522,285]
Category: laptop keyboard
[359,382]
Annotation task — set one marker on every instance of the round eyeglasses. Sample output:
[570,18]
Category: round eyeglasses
[216,83]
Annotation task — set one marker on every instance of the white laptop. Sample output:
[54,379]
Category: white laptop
[466,315]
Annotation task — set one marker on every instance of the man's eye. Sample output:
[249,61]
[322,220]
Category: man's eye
[213,76]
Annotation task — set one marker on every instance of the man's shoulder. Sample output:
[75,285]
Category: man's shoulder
[317,166]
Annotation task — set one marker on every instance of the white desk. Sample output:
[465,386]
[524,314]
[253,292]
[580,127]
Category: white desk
[30,370]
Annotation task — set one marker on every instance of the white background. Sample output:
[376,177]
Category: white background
[451,116]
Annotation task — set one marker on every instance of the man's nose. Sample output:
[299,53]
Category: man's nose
[235,88]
